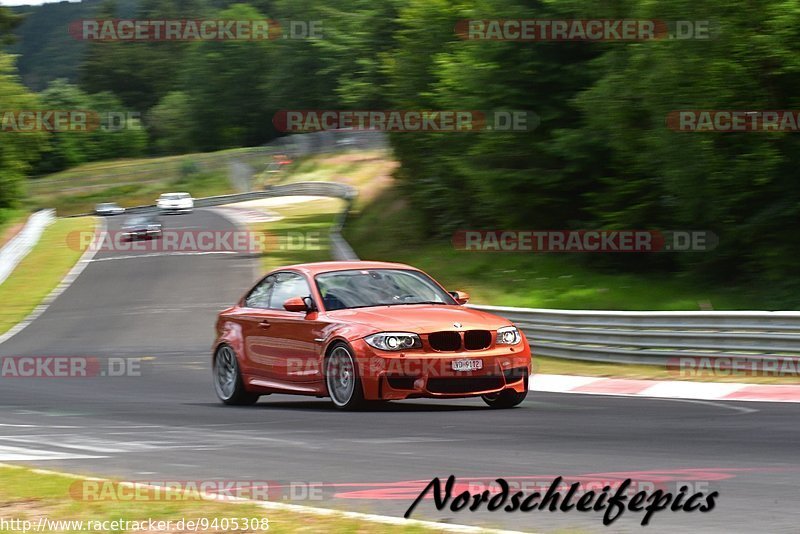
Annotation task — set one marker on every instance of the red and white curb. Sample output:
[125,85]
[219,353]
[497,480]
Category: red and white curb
[666,389]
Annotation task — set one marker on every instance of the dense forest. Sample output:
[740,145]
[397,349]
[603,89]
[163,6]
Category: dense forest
[601,156]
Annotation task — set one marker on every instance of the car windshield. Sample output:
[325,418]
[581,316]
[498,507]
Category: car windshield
[361,288]
[134,221]
[174,196]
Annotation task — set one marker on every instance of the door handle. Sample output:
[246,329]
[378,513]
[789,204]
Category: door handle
[264,324]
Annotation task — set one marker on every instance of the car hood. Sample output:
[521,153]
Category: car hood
[420,318]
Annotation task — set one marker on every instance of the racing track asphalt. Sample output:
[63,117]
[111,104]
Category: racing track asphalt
[167,424]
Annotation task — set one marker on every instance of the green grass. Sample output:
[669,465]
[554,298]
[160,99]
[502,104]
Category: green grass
[29,495]
[370,171]
[387,229]
[40,271]
[201,185]
[301,236]
[134,182]
[557,366]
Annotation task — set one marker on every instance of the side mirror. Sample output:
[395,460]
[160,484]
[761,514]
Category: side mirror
[296,304]
[460,296]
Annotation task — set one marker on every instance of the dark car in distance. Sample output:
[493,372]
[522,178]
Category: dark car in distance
[141,227]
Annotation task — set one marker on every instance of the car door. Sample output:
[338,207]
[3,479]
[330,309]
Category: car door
[253,316]
[292,350]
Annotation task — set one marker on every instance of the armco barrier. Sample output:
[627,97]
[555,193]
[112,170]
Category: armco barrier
[649,338]
[655,338]
[22,243]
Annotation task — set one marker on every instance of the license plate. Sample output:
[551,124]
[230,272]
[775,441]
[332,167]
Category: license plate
[466,365]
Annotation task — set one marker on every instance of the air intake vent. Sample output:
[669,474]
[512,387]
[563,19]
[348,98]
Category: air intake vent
[401,382]
[464,385]
[477,339]
[445,341]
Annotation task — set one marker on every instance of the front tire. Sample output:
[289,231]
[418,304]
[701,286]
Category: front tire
[228,383]
[508,398]
[341,378]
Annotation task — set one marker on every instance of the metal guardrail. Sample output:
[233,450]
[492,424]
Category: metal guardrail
[657,338]
[22,243]
[649,338]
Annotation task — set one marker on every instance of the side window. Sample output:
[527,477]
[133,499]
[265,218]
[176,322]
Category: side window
[287,285]
[259,296]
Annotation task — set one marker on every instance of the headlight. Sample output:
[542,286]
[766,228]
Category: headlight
[508,335]
[394,341]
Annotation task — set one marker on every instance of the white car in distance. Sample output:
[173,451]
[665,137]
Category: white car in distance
[108,208]
[175,202]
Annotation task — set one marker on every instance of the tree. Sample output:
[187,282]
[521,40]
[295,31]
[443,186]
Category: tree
[741,186]
[118,134]
[140,73]
[17,150]
[226,90]
[172,124]
[489,177]
[8,21]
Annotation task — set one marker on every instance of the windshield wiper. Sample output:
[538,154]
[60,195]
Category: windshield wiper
[392,304]
[419,302]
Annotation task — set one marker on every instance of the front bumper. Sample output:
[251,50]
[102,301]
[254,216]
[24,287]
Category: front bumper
[176,209]
[143,234]
[413,374]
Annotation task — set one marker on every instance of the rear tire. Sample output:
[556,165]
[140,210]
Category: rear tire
[341,378]
[228,384]
[508,398]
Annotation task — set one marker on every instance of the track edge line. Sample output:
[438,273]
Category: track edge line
[62,286]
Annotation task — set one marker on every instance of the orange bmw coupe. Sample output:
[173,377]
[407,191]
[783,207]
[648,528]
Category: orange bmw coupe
[365,331]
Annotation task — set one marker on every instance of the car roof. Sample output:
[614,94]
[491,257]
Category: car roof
[313,269]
